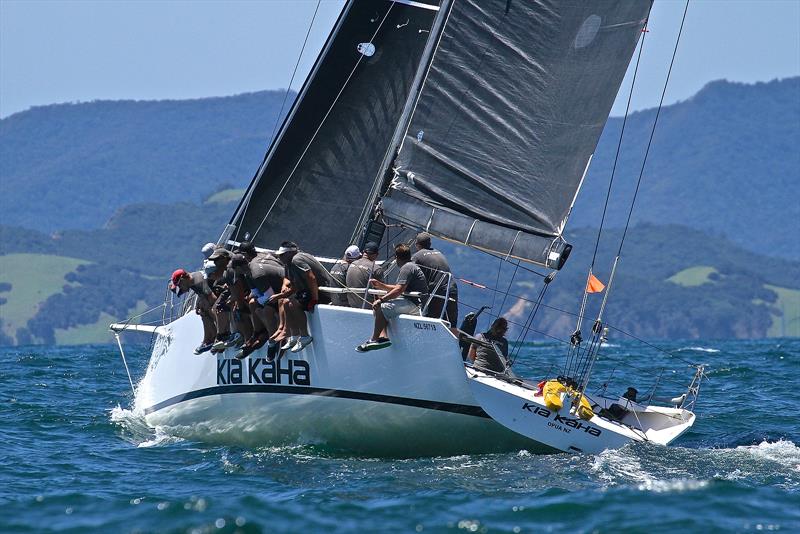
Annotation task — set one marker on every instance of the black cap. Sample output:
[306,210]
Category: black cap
[246,247]
[238,260]
[370,248]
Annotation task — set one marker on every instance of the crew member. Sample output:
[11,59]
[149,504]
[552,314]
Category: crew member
[488,358]
[339,274]
[306,275]
[182,282]
[410,279]
[437,273]
[358,275]
[264,279]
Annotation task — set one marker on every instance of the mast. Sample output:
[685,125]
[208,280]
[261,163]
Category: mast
[384,175]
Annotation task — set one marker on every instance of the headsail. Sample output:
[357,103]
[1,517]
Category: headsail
[507,121]
[318,172]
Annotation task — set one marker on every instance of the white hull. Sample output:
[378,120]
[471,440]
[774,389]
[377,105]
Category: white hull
[409,399]
[413,398]
[520,409]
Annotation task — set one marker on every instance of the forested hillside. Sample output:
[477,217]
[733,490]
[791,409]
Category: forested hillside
[73,165]
[101,201]
[725,161]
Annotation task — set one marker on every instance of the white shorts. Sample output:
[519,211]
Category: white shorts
[391,309]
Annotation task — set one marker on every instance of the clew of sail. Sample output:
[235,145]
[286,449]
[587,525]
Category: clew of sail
[507,120]
[316,176]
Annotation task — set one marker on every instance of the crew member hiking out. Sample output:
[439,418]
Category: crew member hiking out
[391,305]
[306,275]
[181,282]
[263,278]
[220,277]
[437,273]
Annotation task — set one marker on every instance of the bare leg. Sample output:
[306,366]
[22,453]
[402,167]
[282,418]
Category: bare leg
[223,321]
[296,318]
[244,325]
[281,331]
[380,323]
[209,328]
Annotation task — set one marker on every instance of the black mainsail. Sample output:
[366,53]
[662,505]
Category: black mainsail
[506,123]
[318,172]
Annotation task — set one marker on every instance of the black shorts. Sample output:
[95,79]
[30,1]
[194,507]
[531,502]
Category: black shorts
[304,297]
[451,312]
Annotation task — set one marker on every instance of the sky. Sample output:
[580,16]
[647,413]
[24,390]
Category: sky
[70,51]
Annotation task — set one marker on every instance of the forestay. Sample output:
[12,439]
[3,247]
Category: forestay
[318,172]
[507,121]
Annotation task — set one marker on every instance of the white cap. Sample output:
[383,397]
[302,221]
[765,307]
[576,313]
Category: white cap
[207,249]
[352,253]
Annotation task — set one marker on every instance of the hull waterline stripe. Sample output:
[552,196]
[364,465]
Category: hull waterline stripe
[464,409]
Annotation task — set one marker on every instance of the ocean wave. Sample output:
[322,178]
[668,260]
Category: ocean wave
[677,485]
[698,349]
[784,452]
[613,465]
[141,434]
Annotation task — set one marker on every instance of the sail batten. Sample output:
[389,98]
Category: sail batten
[510,113]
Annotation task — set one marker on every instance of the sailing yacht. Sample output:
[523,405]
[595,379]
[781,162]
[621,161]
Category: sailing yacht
[473,120]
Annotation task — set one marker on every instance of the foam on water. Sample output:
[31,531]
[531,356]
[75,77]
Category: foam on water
[698,349]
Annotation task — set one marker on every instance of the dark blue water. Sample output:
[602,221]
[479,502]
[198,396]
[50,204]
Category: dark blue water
[74,459]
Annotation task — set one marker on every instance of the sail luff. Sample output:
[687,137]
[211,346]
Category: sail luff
[314,184]
[290,114]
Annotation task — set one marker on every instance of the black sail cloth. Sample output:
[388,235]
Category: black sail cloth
[322,179]
[509,116]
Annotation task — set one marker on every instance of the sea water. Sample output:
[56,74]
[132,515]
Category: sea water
[75,458]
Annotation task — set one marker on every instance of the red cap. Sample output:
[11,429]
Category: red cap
[177,275]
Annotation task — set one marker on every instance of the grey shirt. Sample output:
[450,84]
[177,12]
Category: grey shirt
[199,283]
[339,275]
[264,275]
[358,275]
[303,262]
[435,268]
[486,358]
[411,276]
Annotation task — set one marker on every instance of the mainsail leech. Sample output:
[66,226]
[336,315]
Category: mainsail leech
[508,119]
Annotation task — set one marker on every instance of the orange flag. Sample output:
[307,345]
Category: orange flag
[593,285]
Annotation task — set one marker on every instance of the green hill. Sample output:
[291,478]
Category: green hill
[73,165]
[725,161]
[76,282]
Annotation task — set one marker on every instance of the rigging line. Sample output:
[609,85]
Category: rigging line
[653,130]
[283,104]
[511,321]
[524,333]
[508,289]
[619,145]
[294,72]
[322,122]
